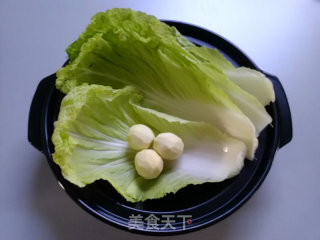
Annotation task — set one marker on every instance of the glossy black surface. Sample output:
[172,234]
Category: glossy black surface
[206,203]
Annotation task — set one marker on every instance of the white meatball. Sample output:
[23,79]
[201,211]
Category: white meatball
[148,164]
[168,145]
[140,137]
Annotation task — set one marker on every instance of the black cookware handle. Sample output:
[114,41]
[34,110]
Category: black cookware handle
[36,113]
[283,110]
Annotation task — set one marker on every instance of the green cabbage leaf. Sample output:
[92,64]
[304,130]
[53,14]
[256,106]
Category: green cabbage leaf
[90,139]
[249,80]
[122,48]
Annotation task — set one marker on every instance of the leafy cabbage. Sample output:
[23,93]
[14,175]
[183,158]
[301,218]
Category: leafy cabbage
[252,81]
[129,68]
[90,144]
[122,47]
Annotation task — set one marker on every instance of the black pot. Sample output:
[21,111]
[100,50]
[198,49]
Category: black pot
[192,207]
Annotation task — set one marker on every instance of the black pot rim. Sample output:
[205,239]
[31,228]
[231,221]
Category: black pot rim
[40,128]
